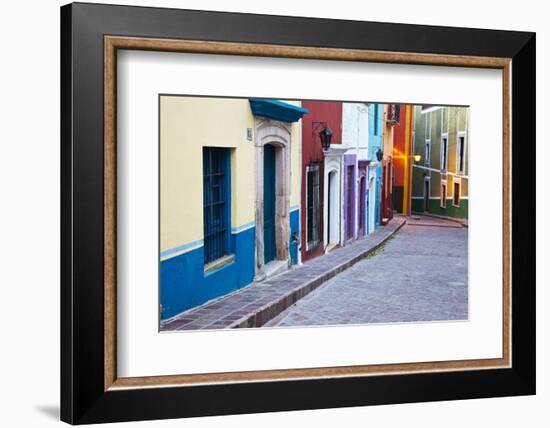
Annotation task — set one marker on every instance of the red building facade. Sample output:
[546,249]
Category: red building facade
[321,115]
[399,160]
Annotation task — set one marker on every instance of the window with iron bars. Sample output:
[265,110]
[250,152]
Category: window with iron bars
[461,152]
[216,188]
[312,206]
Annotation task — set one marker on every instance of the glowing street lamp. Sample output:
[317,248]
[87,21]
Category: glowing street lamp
[417,157]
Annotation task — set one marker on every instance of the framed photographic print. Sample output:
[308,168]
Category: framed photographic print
[265,213]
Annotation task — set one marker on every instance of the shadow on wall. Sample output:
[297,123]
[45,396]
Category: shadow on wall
[51,411]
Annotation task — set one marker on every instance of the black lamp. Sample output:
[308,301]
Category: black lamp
[325,135]
[379,155]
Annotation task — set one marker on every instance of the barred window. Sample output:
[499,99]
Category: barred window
[216,189]
[312,208]
[461,152]
[427,153]
[444,150]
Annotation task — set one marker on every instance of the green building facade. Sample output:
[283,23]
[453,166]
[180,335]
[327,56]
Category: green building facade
[440,176]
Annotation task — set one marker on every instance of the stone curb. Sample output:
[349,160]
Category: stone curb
[274,308]
[462,222]
[452,226]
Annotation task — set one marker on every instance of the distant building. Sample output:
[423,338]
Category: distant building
[229,195]
[391,118]
[402,160]
[355,138]
[440,178]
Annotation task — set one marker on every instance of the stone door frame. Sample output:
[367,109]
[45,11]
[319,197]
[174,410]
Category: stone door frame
[277,134]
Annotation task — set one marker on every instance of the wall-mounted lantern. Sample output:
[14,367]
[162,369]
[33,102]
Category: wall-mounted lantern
[325,135]
[417,157]
[379,155]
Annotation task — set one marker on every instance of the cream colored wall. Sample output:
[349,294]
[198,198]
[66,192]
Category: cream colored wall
[187,124]
[295,160]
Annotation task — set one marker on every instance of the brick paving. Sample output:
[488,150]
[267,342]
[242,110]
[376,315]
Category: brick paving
[419,275]
[255,305]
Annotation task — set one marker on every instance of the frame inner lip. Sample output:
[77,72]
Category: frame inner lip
[112,43]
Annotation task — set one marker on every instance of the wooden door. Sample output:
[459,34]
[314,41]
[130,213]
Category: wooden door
[269,203]
[362,211]
[349,203]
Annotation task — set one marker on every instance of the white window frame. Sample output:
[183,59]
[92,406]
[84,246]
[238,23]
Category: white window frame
[459,182]
[461,134]
[427,151]
[427,179]
[443,165]
[443,195]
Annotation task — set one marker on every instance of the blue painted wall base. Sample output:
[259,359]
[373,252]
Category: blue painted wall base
[184,285]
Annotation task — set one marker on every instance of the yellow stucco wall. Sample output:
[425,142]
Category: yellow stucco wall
[295,160]
[187,124]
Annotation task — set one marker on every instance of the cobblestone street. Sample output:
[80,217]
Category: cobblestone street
[421,274]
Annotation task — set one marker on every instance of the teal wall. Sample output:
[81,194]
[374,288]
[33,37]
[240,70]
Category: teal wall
[376,141]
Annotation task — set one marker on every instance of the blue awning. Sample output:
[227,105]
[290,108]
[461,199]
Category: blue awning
[277,110]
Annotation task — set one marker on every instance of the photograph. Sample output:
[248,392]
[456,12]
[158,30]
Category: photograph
[301,213]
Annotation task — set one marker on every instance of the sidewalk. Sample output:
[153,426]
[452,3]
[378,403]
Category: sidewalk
[436,219]
[256,304]
[422,219]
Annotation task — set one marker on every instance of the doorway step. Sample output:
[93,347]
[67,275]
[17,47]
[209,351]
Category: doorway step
[275,267]
[331,247]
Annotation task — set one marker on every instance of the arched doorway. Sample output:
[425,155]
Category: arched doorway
[371,202]
[333,209]
[272,197]
[332,198]
[362,208]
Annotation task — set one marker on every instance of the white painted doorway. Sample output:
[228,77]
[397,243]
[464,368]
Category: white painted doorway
[333,208]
